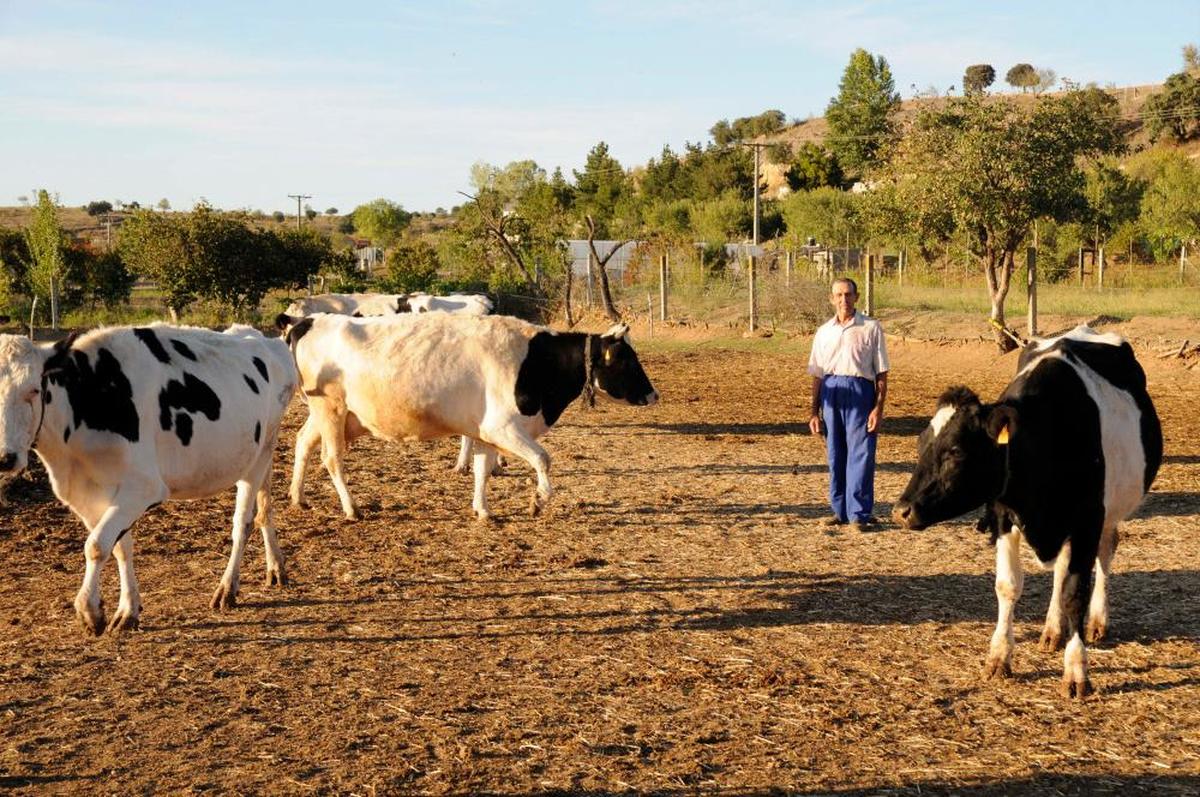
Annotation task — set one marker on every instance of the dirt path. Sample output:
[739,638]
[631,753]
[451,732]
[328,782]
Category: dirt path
[679,623]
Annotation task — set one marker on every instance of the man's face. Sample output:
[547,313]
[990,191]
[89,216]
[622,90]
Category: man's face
[843,297]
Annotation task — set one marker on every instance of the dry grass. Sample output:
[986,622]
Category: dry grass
[679,623]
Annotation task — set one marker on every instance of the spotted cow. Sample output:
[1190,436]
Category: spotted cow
[126,418]
[501,381]
[1066,453]
[356,304]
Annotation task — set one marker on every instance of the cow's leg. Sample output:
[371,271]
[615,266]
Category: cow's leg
[1097,624]
[1010,579]
[511,438]
[225,596]
[463,463]
[1052,631]
[306,440]
[485,461]
[129,607]
[1077,588]
[276,574]
[333,453]
[127,506]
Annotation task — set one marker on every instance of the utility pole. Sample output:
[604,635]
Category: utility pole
[758,147]
[299,198]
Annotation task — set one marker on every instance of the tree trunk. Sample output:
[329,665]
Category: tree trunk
[601,270]
[998,268]
[567,284]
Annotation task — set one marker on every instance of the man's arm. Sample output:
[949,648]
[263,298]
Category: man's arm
[814,417]
[876,415]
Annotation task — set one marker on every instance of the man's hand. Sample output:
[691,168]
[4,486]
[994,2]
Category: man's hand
[874,418]
[814,425]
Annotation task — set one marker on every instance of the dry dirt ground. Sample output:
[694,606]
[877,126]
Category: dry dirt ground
[679,622]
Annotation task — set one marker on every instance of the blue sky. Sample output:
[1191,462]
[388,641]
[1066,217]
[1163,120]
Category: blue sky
[246,102]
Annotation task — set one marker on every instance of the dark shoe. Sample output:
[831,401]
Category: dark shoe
[833,520]
[866,524]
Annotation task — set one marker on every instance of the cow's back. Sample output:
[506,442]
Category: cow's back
[415,376]
[1088,442]
[204,404]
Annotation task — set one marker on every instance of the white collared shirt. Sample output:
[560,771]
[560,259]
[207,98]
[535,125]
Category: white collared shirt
[855,349]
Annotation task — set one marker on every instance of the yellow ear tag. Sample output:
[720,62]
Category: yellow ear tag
[608,355]
[1002,438]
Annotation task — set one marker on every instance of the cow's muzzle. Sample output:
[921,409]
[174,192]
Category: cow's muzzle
[906,515]
[650,399]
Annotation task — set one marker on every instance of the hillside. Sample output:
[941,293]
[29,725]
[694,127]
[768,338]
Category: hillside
[1132,99]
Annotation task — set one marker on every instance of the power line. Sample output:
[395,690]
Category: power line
[298,198]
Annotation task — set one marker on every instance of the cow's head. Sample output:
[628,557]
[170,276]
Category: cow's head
[961,460]
[616,369]
[21,367]
[402,305]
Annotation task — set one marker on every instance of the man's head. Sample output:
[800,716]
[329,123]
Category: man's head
[843,294]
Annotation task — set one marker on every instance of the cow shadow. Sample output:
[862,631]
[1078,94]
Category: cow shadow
[771,600]
[1047,784]
[895,426]
[1168,504]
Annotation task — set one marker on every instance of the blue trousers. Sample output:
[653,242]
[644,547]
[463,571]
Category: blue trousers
[846,401]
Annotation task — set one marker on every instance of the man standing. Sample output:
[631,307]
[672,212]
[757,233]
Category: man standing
[849,365]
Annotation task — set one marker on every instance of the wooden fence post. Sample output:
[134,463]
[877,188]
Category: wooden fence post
[662,287]
[1031,288]
[753,291]
[869,280]
[787,274]
[1100,268]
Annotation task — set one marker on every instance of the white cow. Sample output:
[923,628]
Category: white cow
[498,380]
[125,418]
[462,303]
[377,304]
[363,304]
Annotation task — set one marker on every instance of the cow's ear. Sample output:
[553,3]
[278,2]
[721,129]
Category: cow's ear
[617,331]
[283,321]
[1002,423]
[58,354]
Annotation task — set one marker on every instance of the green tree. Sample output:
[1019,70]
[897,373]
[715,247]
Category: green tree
[1022,76]
[1175,111]
[746,128]
[46,245]
[1170,211]
[382,221]
[813,166]
[278,216]
[310,213]
[1112,199]
[98,208]
[600,187]
[977,78]
[156,247]
[330,211]
[721,220]
[997,166]
[164,204]
[412,265]
[861,116]
[827,214]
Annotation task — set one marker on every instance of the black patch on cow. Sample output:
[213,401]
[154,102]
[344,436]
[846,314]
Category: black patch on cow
[100,397]
[251,383]
[257,431]
[191,395]
[66,434]
[183,349]
[298,330]
[357,314]
[151,341]
[552,375]
[402,305]
[121,534]
[262,369]
[183,427]
[47,396]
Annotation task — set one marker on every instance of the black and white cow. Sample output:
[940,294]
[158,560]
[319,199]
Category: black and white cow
[126,418]
[1066,453]
[359,304]
[498,380]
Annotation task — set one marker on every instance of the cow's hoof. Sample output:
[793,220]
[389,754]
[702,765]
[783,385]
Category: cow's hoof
[482,515]
[997,667]
[276,576]
[1051,640]
[1096,631]
[223,598]
[298,501]
[91,619]
[353,514]
[1073,689]
[535,507]
[461,470]
[123,621]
